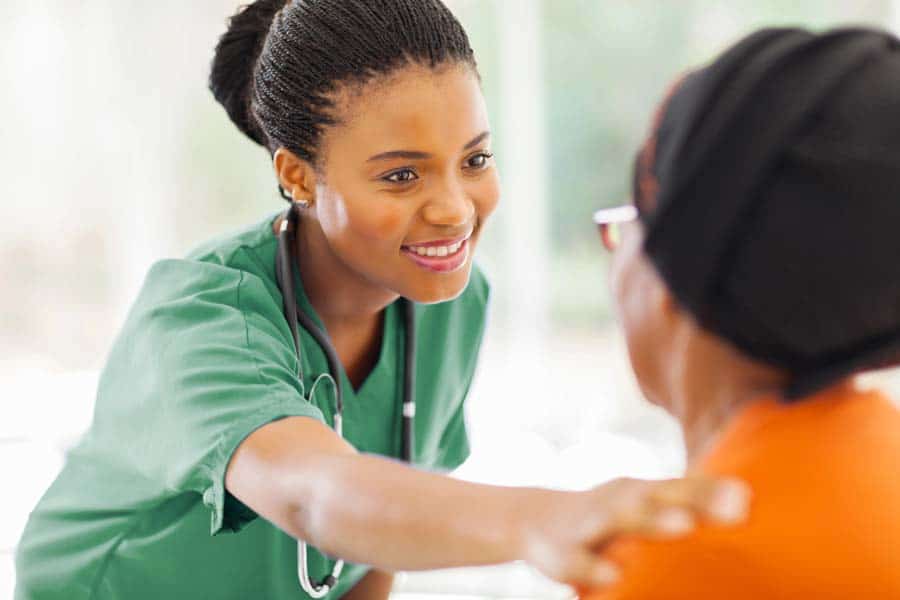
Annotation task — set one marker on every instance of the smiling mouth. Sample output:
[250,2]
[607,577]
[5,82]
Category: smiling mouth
[442,256]
[440,251]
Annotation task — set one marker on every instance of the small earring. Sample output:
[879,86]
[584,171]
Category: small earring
[302,203]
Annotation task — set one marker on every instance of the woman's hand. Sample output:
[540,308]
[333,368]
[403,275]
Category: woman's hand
[564,539]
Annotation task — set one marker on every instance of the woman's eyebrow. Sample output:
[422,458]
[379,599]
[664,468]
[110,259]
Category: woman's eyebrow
[414,155]
[407,154]
[478,139]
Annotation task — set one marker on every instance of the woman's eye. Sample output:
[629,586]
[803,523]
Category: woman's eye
[479,161]
[402,176]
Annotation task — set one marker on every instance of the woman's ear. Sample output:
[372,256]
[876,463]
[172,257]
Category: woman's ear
[668,305]
[296,176]
[678,322]
[655,291]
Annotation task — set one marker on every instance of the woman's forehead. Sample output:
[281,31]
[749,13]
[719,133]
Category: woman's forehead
[415,108]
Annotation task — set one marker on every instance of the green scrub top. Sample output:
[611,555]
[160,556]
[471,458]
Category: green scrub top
[204,359]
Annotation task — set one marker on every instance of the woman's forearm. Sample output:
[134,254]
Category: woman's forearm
[378,512]
[301,476]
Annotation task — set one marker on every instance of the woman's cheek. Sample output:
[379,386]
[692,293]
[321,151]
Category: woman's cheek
[387,224]
[628,299]
[332,211]
[361,219]
[488,196]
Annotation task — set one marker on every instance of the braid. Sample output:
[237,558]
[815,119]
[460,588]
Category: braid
[280,81]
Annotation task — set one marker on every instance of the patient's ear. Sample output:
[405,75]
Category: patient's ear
[672,316]
[667,303]
[660,297]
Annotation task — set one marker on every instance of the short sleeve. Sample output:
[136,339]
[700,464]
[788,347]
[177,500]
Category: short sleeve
[204,360]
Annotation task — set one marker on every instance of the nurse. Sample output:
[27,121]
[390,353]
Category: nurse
[209,457]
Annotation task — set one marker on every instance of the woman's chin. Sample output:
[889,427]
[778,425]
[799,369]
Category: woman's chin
[439,288]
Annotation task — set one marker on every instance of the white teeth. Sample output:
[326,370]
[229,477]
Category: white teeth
[438,251]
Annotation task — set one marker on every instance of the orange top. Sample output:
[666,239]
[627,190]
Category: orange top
[825,516]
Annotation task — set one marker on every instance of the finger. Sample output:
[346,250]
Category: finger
[586,569]
[671,522]
[724,500]
[624,507]
[668,508]
[648,519]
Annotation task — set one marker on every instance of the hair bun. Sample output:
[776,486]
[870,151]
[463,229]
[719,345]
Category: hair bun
[233,65]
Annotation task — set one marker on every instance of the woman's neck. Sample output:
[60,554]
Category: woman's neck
[710,395]
[703,424]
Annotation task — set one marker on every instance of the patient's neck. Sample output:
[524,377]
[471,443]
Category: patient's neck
[709,393]
[703,424]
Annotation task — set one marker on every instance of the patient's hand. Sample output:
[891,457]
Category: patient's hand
[564,541]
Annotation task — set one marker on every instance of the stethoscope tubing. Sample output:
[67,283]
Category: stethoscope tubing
[408,440]
[297,318]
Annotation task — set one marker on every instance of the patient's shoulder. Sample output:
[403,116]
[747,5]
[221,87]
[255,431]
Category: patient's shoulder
[695,568]
[821,524]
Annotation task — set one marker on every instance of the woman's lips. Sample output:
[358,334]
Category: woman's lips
[439,257]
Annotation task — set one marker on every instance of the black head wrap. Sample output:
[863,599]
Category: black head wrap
[770,192]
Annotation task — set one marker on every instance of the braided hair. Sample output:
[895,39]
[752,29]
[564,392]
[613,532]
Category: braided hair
[276,69]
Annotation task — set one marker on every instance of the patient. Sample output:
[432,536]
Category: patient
[756,275]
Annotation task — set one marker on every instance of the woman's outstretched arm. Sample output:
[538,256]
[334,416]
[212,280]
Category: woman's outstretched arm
[300,475]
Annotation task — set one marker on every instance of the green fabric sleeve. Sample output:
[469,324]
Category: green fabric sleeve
[228,514]
[209,360]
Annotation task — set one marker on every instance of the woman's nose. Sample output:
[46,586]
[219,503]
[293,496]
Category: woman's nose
[450,205]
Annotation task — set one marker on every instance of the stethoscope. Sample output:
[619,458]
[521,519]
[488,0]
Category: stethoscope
[284,263]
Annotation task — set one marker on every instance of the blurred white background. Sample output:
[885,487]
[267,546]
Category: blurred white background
[113,155]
